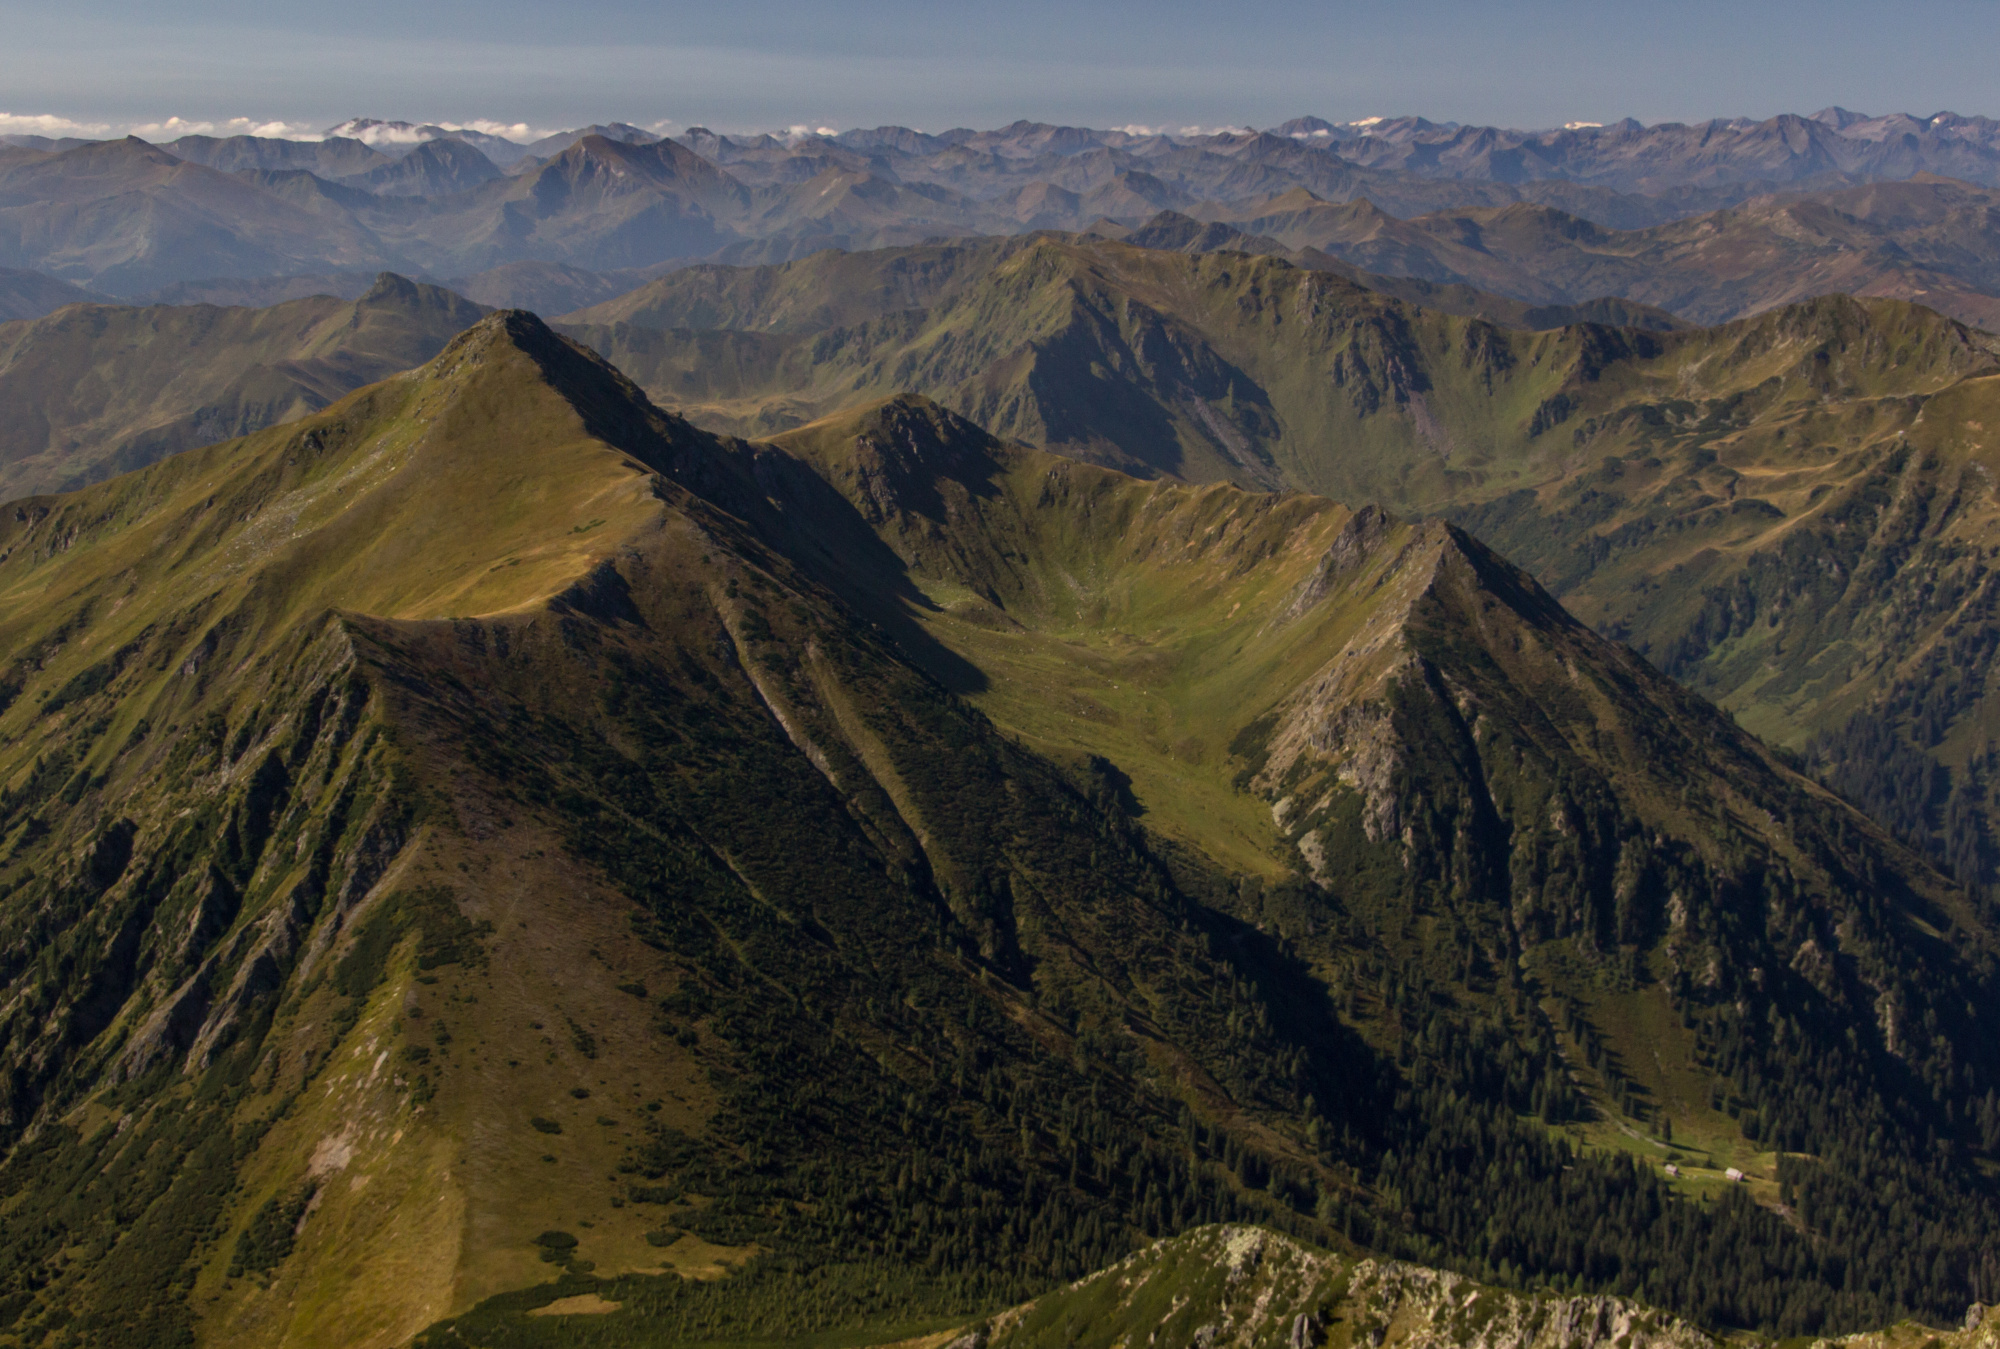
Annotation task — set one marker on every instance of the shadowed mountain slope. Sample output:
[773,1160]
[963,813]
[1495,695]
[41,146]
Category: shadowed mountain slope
[29,295]
[490,807]
[98,389]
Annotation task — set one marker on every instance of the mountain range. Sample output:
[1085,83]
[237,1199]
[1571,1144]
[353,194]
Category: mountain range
[27,295]
[1673,216]
[1349,735]
[1672,155]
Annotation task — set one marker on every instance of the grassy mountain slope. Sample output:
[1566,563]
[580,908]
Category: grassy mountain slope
[834,289]
[1078,344]
[1494,809]
[828,289]
[1810,550]
[489,825]
[99,389]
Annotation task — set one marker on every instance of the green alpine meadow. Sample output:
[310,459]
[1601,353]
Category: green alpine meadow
[1369,734]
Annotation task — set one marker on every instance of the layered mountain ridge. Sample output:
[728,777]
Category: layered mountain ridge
[1687,208]
[96,389]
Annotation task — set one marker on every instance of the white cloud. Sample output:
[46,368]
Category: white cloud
[1135,129]
[170,129]
[411,133]
[46,124]
[277,130]
[1581,126]
[513,131]
[175,127]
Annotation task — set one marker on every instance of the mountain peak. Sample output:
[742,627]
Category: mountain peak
[611,408]
[906,436]
[395,288]
[522,331]
[405,499]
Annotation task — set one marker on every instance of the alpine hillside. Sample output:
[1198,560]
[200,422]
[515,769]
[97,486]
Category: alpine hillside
[490,829]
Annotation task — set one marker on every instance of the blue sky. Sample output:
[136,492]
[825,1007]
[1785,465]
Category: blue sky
[757,64]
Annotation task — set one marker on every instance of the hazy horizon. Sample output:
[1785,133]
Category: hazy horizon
[778,64]
[56,127]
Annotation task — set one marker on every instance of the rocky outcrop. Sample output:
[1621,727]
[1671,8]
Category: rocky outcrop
[1245,1287]
[1249,1288]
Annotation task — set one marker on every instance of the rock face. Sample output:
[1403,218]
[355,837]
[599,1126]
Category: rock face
[1249,1288]
[1244,1287]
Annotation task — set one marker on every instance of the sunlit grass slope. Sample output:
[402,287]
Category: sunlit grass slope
[187,706]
